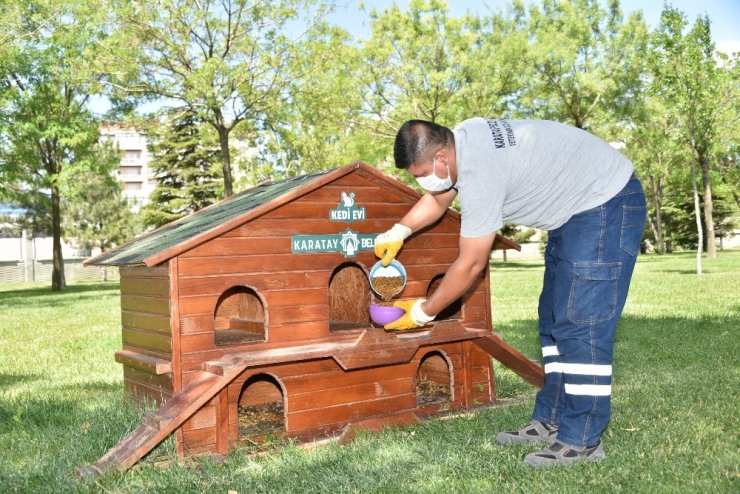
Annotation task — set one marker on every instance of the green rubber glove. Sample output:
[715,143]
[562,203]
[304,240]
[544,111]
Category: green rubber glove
[412,319]
[389,243]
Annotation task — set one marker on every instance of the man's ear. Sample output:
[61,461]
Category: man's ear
[443,156]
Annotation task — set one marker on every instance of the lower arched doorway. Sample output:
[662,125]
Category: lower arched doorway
[434,380]
[261,408]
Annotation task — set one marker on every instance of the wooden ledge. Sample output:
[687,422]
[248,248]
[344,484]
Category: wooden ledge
[142,362]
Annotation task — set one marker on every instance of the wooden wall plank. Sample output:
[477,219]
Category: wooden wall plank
[275,280]
[291,313]
[348,412]
[204,417]
[142,339]
[150,305]
[199,440]
[146,322]
[161,271]
[154,380]
[161,354]
[196,324]
[156,387]
[145,286]
[142,393]
[324,398]
[296,331]
[190,343]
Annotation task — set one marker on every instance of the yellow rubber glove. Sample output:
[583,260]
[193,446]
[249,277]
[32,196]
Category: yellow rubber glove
[413,318]
[389,243]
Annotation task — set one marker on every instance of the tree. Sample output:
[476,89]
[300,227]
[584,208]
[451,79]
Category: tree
[412,67]
[96,214]
[586,62]
[47,77]
[680,209]
[494,70]
[222,61]
[185,164]
[654,147]
[687,75]
[312,130]
[37,207]
[424,63]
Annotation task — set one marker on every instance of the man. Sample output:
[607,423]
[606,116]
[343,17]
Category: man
[557,178]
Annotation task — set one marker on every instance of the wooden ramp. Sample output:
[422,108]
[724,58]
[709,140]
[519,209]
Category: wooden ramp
[160,423]
[497,348]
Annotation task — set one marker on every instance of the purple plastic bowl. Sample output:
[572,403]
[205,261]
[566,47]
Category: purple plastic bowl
[383,315]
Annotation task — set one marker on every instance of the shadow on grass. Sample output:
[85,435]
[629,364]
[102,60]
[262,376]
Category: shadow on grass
[7,380]
[687,271]
[65,404]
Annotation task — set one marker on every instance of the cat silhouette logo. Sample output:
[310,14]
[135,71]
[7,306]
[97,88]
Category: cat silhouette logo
[347,210]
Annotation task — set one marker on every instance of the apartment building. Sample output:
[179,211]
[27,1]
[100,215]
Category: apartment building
[133,172]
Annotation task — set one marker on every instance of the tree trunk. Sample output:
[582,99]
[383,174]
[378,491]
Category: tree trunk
[58,282]
[223,139]
[708,208]
[656,190]
[698,219]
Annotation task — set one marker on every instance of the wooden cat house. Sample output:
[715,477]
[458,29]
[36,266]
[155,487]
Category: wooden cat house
[262,300]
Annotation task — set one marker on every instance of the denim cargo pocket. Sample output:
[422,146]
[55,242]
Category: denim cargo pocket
[633,224]
[593,293]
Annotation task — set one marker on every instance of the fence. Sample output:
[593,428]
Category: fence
[30,259]
[40,270]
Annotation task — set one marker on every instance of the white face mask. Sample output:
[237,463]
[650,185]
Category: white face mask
[432,182]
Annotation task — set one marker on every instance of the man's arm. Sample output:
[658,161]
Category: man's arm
[428,209]
[472,259]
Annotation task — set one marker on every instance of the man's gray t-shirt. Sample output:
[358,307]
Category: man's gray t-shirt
[535,173]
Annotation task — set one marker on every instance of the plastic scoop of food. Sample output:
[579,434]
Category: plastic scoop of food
[388,281]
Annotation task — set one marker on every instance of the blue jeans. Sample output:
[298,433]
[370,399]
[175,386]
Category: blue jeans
[588,266]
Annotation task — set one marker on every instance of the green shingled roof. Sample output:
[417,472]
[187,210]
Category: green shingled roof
[172,234]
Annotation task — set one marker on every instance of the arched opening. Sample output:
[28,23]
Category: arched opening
[239,317]
[433,380]
[261,407]
[452,311]
[349,298]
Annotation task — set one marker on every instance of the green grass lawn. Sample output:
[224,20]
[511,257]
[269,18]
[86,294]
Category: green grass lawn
[674,424]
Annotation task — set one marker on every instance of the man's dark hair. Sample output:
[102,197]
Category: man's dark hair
[418,140]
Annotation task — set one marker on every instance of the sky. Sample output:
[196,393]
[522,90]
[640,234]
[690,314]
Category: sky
[724,14]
